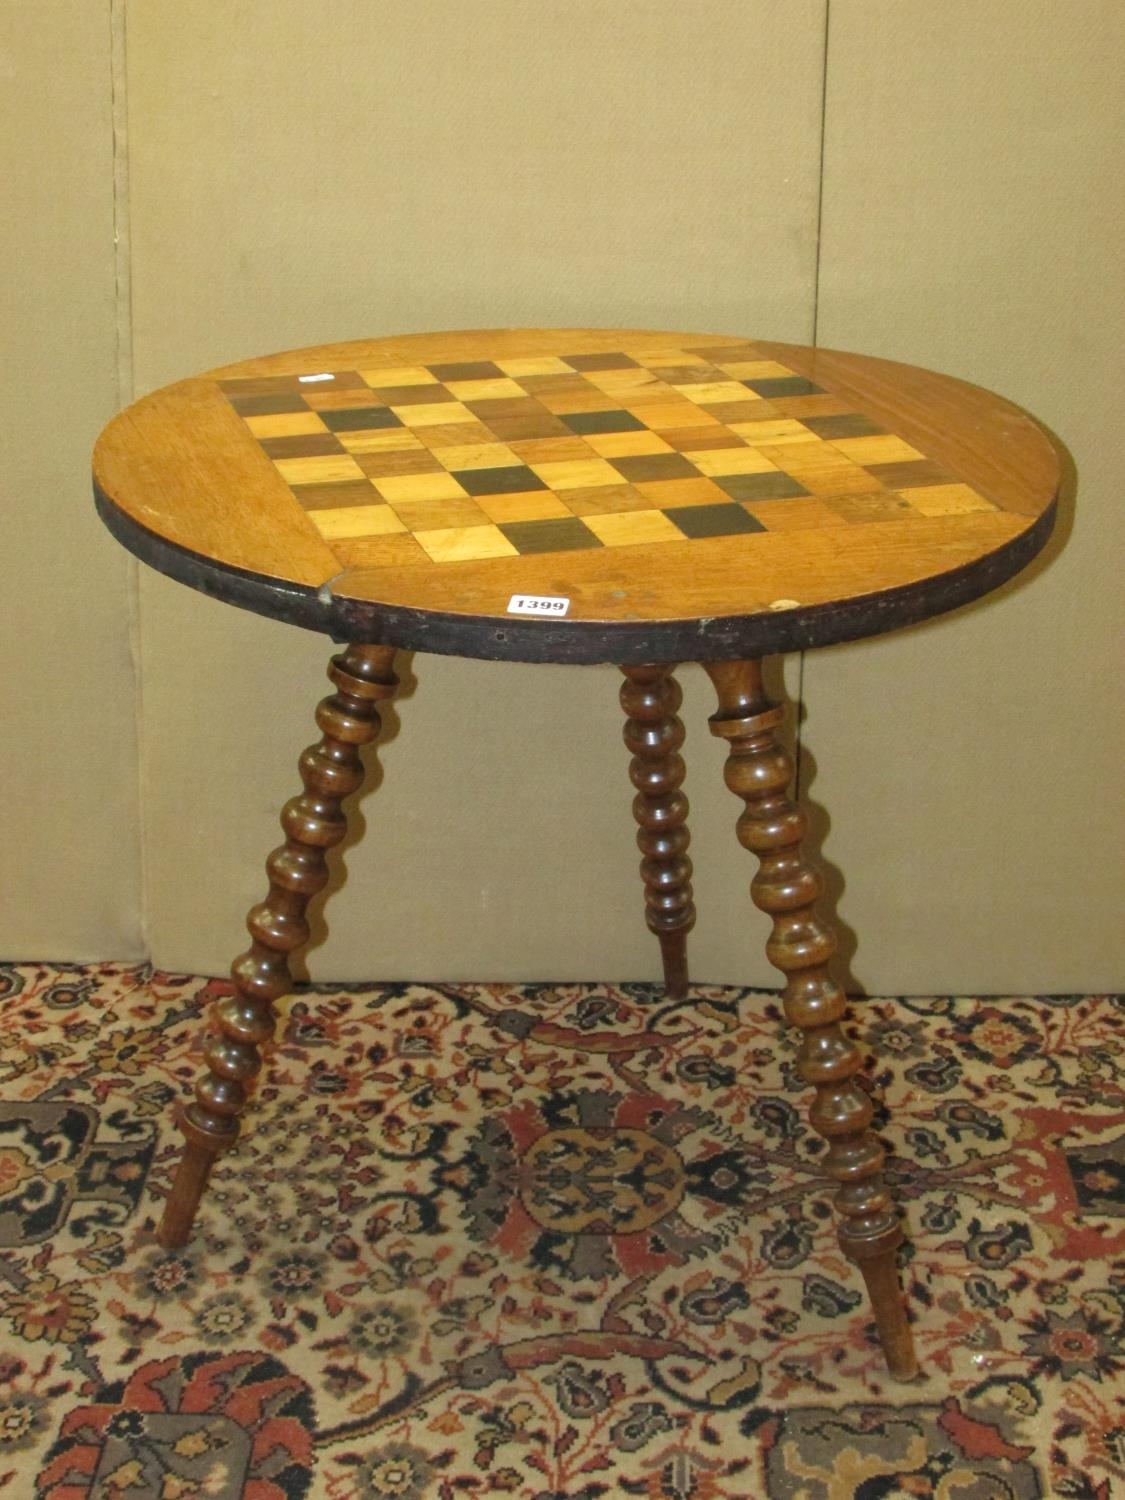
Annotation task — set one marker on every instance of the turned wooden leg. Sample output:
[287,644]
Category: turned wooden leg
[787,886]
[313,822]
[650,696]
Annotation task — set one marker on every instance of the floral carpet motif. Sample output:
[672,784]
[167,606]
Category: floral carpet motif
[553,1242]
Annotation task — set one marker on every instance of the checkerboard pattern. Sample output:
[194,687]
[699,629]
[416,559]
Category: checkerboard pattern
[462,461]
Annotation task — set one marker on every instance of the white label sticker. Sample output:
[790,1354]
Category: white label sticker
[308,379]
[538,604]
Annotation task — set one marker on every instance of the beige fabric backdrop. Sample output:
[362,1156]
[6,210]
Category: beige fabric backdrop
[290,174]
[69,871]
[974,221]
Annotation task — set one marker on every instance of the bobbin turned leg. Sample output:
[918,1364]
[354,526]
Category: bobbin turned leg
[650,696]
[786,886]
[313,823]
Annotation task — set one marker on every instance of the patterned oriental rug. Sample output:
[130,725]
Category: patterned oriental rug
[553,1242]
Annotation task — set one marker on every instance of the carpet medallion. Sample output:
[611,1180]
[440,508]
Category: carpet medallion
[553,1242]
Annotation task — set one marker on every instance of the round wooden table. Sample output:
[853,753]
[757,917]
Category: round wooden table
[582,495]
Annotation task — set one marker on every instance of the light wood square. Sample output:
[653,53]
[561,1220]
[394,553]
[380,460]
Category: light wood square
[731,461]
[438,515]
[456,435]
[946,500]
[613,382]
[466,543]
[582,474]
[432,413]
[566,403]
[699,439]
[822,470]
[654,359]
[484,390]
[398,463]
[811,406]
[671,414]
[633,528]
[876,450]
[329,400]
[325,470]
[285,424]
[355,520]
[627,444]
[477,456]
[555,450]
[379,440]
[544,365]
[396,487]
[735,411]
[528,505]
[880,505]
[793,515]
[640,399]
[399,375]
[670,494]
[604,500]
[783,430]
[712,392]
[756,369]
[397,551]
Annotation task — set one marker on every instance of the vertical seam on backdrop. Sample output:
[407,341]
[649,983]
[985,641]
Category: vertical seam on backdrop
[123,311]
[820,171]
[123,358]
[815,333]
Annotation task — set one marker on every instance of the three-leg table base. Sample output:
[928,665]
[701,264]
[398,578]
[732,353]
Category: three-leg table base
[786,886]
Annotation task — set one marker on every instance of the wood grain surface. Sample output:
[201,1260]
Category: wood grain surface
[688,495]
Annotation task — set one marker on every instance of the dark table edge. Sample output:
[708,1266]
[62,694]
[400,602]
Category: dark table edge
[578,641]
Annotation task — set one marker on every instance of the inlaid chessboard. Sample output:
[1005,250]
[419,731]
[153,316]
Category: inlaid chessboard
[463,461]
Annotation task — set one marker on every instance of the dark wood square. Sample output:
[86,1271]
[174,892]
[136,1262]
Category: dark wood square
[266,406]
[413,395]
[566,534]
[600,362]
[398,462]
[543,424]
[713,520]
[508,480]
[911,474]
[359,418]
[489,408]
[479,369]
[772,486]
[303,445]
[584,422]
[688,439]
[261,385]
[647,468]
[784,385]
[690,374]
[344,492]
[845,425]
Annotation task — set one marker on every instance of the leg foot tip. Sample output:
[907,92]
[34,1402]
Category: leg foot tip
[172,1236]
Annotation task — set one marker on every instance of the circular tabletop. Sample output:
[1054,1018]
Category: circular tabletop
[580,495]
